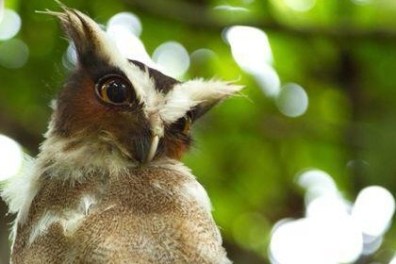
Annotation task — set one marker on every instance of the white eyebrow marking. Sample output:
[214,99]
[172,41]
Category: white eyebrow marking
[184,96]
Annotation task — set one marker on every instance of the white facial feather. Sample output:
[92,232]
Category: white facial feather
[88,158]
[145,86]
[184,96]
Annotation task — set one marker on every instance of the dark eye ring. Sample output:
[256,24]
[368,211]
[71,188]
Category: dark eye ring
[115,89]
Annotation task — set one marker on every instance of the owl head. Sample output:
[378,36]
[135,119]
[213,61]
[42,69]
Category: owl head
[124,104]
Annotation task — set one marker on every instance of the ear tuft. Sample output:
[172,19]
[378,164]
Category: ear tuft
[91,42]
[196,94]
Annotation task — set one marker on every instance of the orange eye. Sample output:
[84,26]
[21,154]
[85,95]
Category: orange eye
[115,90]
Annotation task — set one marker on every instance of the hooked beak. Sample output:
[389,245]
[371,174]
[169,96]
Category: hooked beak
[157,129]
[153,148]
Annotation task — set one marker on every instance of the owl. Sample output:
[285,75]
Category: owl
[108,185]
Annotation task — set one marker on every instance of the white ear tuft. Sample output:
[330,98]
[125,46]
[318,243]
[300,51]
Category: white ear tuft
[185,96]
[90,40]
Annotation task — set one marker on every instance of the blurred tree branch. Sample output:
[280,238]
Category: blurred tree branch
[198,15]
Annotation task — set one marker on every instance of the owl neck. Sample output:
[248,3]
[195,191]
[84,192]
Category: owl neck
[72,158]
[70,161]
[61,159]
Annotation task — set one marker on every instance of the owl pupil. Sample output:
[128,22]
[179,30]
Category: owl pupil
[117,91]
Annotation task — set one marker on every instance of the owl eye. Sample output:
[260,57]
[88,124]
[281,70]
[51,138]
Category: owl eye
[184,124]
[187,122]
[115,90]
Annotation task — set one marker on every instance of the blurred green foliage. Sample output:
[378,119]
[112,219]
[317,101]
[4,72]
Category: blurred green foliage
[247,154]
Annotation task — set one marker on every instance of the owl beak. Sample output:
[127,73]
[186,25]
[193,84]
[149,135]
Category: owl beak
[153,148]
[157,130]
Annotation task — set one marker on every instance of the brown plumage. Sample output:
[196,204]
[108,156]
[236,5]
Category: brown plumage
[108,186]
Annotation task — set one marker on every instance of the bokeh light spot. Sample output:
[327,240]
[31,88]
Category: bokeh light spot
[373,210]
[371,244]
[313,240]
[250,47]
[10,24]
[127,21]
[268,80]
[252,52]
[1,10]
[202,61]
[172,58]
[314,177]
[317,183]
[292,100]
[11,157]
[70,57]
[300,5]
[333,230]
[14,54]
[328,205]
[393,260]
[203,55]
[231,8]
[126,39]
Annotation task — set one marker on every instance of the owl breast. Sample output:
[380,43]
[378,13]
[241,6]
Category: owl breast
[144,215]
